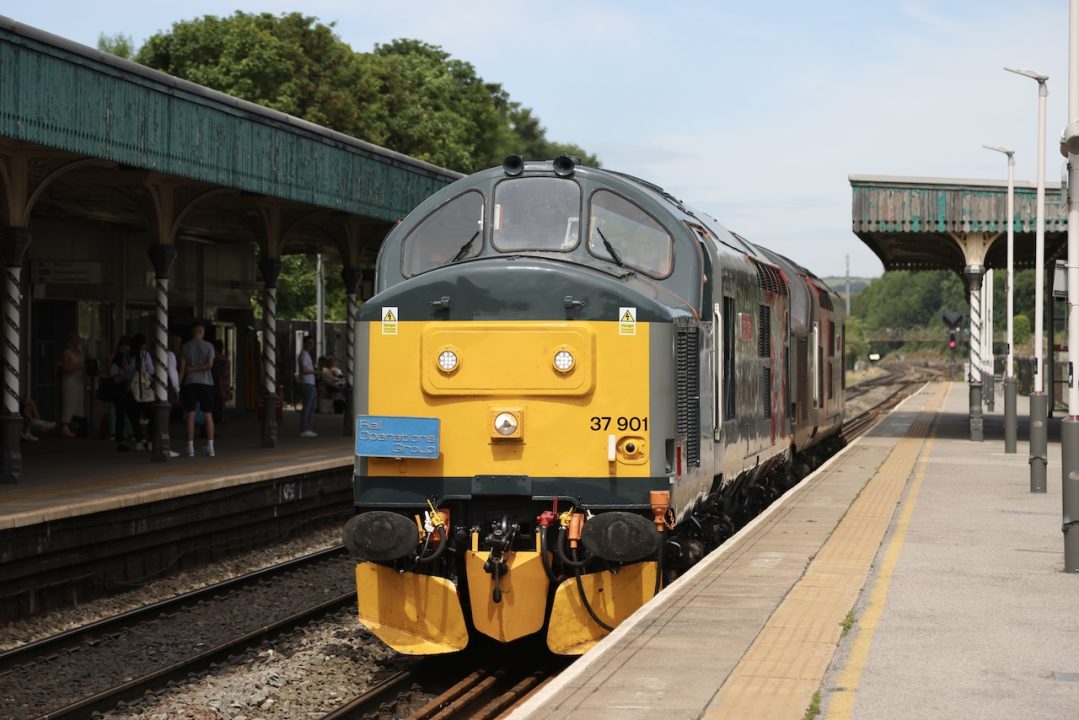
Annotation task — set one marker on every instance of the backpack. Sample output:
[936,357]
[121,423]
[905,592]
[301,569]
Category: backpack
[142,382]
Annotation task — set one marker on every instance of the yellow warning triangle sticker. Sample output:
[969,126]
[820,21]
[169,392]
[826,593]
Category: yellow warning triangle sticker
[389,317]
[627,317]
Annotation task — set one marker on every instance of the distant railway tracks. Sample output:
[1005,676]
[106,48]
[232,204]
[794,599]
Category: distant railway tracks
[94,667]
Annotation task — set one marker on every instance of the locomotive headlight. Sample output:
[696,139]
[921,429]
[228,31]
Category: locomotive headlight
[447,361]
[505,423]
[563,361]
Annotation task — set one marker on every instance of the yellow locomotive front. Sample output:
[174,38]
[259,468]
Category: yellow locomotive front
[516,431]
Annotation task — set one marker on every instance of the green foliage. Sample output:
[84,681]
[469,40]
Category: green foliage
[406,95]
[290,63]
[119,44]
[1021,330]
[814,707]
[901,299]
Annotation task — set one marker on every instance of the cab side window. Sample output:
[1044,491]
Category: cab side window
[637,239]
[454,231]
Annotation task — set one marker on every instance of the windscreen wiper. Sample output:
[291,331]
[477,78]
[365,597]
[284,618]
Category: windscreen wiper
[464,248]
[610,248]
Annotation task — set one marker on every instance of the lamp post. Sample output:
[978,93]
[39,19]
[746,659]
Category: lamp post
[1039,401]
[1069,428]
[1010,421]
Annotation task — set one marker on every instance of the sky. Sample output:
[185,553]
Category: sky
[754,112]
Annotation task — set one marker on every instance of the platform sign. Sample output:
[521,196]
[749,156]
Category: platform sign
[627,321]
[397,437]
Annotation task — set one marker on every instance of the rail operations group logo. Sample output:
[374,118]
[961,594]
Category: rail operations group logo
[627,321]
[389,321]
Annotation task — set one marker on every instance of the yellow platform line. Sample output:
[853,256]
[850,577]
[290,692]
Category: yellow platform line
[779,673]
[841,700]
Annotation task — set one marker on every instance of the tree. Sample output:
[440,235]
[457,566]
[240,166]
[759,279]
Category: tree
[119,44]
[291,63]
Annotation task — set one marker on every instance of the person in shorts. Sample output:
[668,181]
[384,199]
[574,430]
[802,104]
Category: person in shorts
[197,386]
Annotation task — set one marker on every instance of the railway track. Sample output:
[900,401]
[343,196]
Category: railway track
[483,683]
[97,666]
[905,382]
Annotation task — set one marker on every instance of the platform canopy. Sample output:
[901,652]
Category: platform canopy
[923,223]
[86,134]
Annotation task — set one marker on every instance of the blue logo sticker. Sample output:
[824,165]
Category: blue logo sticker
[397,437]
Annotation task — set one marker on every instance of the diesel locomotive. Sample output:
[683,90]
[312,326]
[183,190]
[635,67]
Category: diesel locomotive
[572,385]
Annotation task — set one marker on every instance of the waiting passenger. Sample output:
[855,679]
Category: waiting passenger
[197,389]
[31,420]
[72,383]
[308,390]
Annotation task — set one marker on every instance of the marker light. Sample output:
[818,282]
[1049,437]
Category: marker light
[505,423]
[563,361]
[447,361]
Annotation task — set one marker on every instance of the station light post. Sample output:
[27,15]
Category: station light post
[1010,420]
[1069,428]
[1039,401]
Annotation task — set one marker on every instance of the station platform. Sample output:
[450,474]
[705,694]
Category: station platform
[912,575]
[65,477]
[88,521]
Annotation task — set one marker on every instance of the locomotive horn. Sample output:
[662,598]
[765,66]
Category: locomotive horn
[564,165]
[513,165]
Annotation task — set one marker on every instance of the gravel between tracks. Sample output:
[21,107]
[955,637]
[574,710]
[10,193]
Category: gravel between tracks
[51,623]
[159,643]
[304,675]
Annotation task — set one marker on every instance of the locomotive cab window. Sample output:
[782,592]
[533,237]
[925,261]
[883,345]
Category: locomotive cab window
[536,214]
[625,234]
[452,232]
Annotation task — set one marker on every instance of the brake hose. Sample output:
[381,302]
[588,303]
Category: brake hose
[543,556]
[584,598]
[444,536]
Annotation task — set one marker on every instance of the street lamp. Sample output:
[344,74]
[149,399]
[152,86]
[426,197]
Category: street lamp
[1069,428]
[1039,402]
[1010,422]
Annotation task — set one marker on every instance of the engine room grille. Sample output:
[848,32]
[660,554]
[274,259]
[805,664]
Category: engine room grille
[803,379]
[764,332]
[770,278]
[824,299]
[766,391]
[688,392]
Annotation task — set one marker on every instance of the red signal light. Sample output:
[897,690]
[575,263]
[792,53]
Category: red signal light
[951,344]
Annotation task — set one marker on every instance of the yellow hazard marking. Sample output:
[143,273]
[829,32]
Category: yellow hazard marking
[841,702]
[779,673]
[627,321]
[389,321]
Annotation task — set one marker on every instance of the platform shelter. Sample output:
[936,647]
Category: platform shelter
[133,201]
[922,223]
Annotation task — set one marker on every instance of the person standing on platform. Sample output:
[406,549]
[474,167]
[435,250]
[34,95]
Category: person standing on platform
[308,390]
[72,383]
[197,389]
